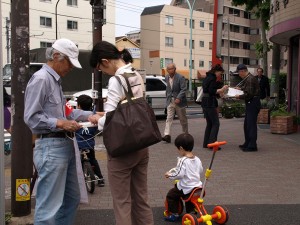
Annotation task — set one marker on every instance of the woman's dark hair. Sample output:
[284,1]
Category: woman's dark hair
[106,50]
[186,141]
[6,98]
[103,50]
[216,68]
[126,56]
[85,102]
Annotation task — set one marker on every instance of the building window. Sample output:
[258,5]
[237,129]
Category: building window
[168,61]
[246,30]
[193,44]
[193,24]
[45,0]
[185,21]
[72,25]
[234,44]
[72,2]
[234,28]
[247,16]
[201,44]
[202,24]
[201,63]
[185,42]
[210,26]
[246,61]
[246,45]
[184,63]
[209,64]
[253,62]
[44,44]
[192,64]
[234,60]
[252,47]
[169,41]
[235,12]
[45,21]
[210,45]
[169,20]
[254,31]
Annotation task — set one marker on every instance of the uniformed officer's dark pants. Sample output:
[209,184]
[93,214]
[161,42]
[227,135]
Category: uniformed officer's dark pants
[250,123]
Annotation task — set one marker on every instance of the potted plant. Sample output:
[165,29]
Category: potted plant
[281,121]
[264,113]
[233,109]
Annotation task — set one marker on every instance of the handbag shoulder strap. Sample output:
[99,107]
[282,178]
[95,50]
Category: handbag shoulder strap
[128,94]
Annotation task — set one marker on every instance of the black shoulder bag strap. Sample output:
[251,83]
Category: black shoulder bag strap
[128,94]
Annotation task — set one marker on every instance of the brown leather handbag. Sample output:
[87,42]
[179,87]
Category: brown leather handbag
[131,126]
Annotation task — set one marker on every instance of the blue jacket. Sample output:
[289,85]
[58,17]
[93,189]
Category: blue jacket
[86,137]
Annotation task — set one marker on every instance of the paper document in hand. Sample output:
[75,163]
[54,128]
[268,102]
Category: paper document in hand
[232,92]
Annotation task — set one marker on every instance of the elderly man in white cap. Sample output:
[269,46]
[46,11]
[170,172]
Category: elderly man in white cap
[57,195]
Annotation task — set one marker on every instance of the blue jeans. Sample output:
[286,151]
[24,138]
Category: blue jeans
[57,195]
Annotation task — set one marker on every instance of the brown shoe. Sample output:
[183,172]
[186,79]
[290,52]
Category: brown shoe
[166,138]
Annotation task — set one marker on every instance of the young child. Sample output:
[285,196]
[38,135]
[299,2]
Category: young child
[86,137]
[187,172]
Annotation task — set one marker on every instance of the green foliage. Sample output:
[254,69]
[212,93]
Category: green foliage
[259,48]
[281,111]
[233,109]
[259,7]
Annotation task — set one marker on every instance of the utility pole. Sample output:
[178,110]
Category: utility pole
[56,19]
[7,22]
[21,154]
[217,32]
[2,177]
[228,46]
[99,12]
[191,8]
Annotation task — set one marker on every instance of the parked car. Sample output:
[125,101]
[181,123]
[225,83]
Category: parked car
[155,93]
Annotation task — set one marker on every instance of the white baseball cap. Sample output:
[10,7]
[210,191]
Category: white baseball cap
[69,49]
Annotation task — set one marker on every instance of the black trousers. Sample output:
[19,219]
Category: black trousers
[212,126]
[173,199]
[250,122]
[94,163]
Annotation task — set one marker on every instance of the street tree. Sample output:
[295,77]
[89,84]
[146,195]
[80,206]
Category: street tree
[261,9]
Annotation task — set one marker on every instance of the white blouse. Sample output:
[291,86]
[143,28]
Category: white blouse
[116,93]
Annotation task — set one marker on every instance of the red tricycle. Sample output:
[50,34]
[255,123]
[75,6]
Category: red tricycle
[220,214]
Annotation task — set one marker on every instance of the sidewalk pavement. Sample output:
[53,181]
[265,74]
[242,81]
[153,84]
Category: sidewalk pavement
[267,177]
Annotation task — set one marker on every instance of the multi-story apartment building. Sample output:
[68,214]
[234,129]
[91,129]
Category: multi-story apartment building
[165,36]
[74,21]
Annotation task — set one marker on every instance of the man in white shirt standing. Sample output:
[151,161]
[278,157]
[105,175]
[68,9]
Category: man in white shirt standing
[176,101]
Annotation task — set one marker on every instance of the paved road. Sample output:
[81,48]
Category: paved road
[257,187]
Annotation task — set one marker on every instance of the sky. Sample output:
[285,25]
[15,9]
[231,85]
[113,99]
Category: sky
[128,13]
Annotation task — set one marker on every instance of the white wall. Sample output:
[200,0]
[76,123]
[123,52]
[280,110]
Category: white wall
[82,13]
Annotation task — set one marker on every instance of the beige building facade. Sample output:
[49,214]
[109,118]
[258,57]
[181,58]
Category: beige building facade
[165,38]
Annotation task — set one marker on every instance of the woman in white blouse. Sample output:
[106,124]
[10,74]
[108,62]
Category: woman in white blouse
[127,175]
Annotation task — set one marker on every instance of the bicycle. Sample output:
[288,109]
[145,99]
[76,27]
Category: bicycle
[88,172]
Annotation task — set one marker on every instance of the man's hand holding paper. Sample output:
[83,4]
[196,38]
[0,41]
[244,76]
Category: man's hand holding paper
[233,92]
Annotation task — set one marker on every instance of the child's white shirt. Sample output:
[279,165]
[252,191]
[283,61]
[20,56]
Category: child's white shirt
[188,172]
